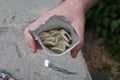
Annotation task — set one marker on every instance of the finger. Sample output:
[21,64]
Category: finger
[30,40]
[29,37]
[38,46]
[79,28]
[76,49]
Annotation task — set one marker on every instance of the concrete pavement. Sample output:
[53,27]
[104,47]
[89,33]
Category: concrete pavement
[16,57]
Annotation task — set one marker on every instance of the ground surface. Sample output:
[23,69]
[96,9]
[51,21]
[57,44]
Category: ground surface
[16,57]
[97,56]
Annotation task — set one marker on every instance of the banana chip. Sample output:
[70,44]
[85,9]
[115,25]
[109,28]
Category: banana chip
[57,49]
[56,40]
[49,43]
[65,35]
[53,39]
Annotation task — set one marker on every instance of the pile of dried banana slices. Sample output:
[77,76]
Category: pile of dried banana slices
[57,40]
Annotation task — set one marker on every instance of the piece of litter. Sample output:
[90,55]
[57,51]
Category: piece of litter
[46,63]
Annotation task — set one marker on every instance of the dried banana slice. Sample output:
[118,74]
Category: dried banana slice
[58,45]
[54,32]
[65,35]
[56,40]
[44,34]
[60,42]
[49,43]
[66,43]
[53,39]
[57,50]
[59,36]
[61,45]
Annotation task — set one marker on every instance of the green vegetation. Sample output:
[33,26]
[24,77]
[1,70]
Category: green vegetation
[106,17]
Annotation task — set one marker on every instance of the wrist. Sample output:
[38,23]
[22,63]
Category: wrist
[74,5]
[83,4]
[87,4]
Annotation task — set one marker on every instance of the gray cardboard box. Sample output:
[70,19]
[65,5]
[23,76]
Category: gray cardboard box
[56,22]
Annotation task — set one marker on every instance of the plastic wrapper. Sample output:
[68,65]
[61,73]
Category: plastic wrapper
[56,22]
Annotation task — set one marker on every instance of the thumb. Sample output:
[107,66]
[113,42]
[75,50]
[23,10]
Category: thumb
[30,40]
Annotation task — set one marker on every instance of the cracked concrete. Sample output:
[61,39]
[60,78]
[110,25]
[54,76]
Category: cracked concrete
[16,57]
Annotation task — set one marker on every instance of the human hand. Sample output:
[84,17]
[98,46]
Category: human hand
[74,14]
